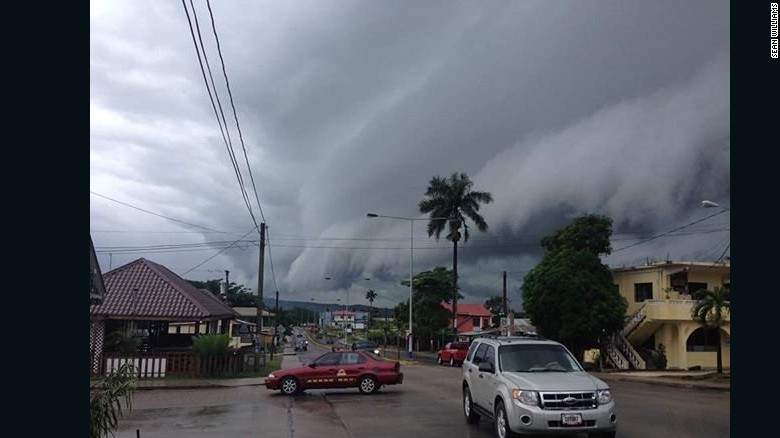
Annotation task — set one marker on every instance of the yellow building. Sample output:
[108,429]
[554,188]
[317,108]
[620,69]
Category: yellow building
[659,297]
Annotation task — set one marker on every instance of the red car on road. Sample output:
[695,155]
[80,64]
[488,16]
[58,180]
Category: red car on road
[453,353]
[339,369]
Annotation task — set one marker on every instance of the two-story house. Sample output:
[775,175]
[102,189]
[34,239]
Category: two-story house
[471,317]
[660,298]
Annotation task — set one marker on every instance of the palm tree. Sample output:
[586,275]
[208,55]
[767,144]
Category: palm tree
[708,311]
[454,200]
[105,404]
[370,296]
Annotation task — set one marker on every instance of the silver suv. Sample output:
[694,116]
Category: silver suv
[530,385]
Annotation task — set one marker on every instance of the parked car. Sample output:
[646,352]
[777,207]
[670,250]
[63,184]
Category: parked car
[529,385]
[341,369]
[365,345]
[453,353]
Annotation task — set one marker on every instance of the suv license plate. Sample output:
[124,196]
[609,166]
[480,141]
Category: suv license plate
[571,419]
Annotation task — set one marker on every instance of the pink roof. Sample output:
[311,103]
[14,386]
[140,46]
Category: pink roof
[469,309]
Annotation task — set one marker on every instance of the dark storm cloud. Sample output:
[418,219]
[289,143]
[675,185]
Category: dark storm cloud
[557,108]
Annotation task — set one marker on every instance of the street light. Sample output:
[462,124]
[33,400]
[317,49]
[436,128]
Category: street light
[709,204]
[411,260]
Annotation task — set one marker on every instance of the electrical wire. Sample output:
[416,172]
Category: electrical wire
[232,105]
[155,214]
[669,232]
[220,252]
[226,131]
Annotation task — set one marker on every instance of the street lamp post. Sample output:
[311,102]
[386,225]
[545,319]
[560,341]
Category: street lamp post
[709,204]
[411,262]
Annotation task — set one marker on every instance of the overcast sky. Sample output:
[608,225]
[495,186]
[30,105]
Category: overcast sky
[557,108]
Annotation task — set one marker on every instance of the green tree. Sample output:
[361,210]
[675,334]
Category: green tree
[589,232]
[105,401]
[709,309]
[370,296]
[570,295]
[237,295]
[454,200]
[495,305]
[429,290]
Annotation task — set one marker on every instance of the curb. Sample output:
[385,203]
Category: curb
[670,383]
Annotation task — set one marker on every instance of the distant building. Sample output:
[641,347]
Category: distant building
[471,317]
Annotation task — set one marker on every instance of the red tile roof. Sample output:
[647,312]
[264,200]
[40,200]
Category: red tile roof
[160,295]
[469,309]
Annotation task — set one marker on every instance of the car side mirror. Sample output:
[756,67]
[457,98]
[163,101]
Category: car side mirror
[312,365]
[486,367]
[587,366]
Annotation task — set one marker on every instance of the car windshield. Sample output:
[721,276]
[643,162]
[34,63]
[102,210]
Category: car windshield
[460,346]
[536,358]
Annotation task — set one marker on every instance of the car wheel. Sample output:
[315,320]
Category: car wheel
[602,434]
[438,360]
[452,361]
[368,385]
[501,422]
[468,407]
[289,386]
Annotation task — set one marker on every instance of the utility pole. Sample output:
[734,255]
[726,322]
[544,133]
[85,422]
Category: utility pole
[506,315]
[227,284]
[276,324]
[261,269]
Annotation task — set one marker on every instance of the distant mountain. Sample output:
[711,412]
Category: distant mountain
[270,304]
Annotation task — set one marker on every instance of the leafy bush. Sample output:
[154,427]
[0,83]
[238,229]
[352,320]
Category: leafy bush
[207,344]
[123,342]
[659,358]
[105,405]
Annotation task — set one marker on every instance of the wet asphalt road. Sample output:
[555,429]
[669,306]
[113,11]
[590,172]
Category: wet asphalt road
[427,404]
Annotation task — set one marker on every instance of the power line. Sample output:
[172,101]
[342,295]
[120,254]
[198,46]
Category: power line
[220,252]
[232,105]
[669,232]
[226,131]
[155,214]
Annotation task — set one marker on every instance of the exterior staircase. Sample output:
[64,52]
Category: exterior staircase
[619,351]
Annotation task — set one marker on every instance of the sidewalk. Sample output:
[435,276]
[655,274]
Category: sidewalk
[679,379]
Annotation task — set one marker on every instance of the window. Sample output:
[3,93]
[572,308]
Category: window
[479,356]
[472,349]
[329,359]
[490,356]
[351,359]
[643,291]
[703,339]
[476,322]
[695,287]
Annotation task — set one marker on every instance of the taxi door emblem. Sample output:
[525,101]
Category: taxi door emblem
[341,372]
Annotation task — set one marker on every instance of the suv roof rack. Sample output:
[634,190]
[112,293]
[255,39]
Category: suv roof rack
[527,335]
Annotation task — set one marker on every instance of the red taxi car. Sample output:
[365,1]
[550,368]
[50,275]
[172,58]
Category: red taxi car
[340,369]
[453,353]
